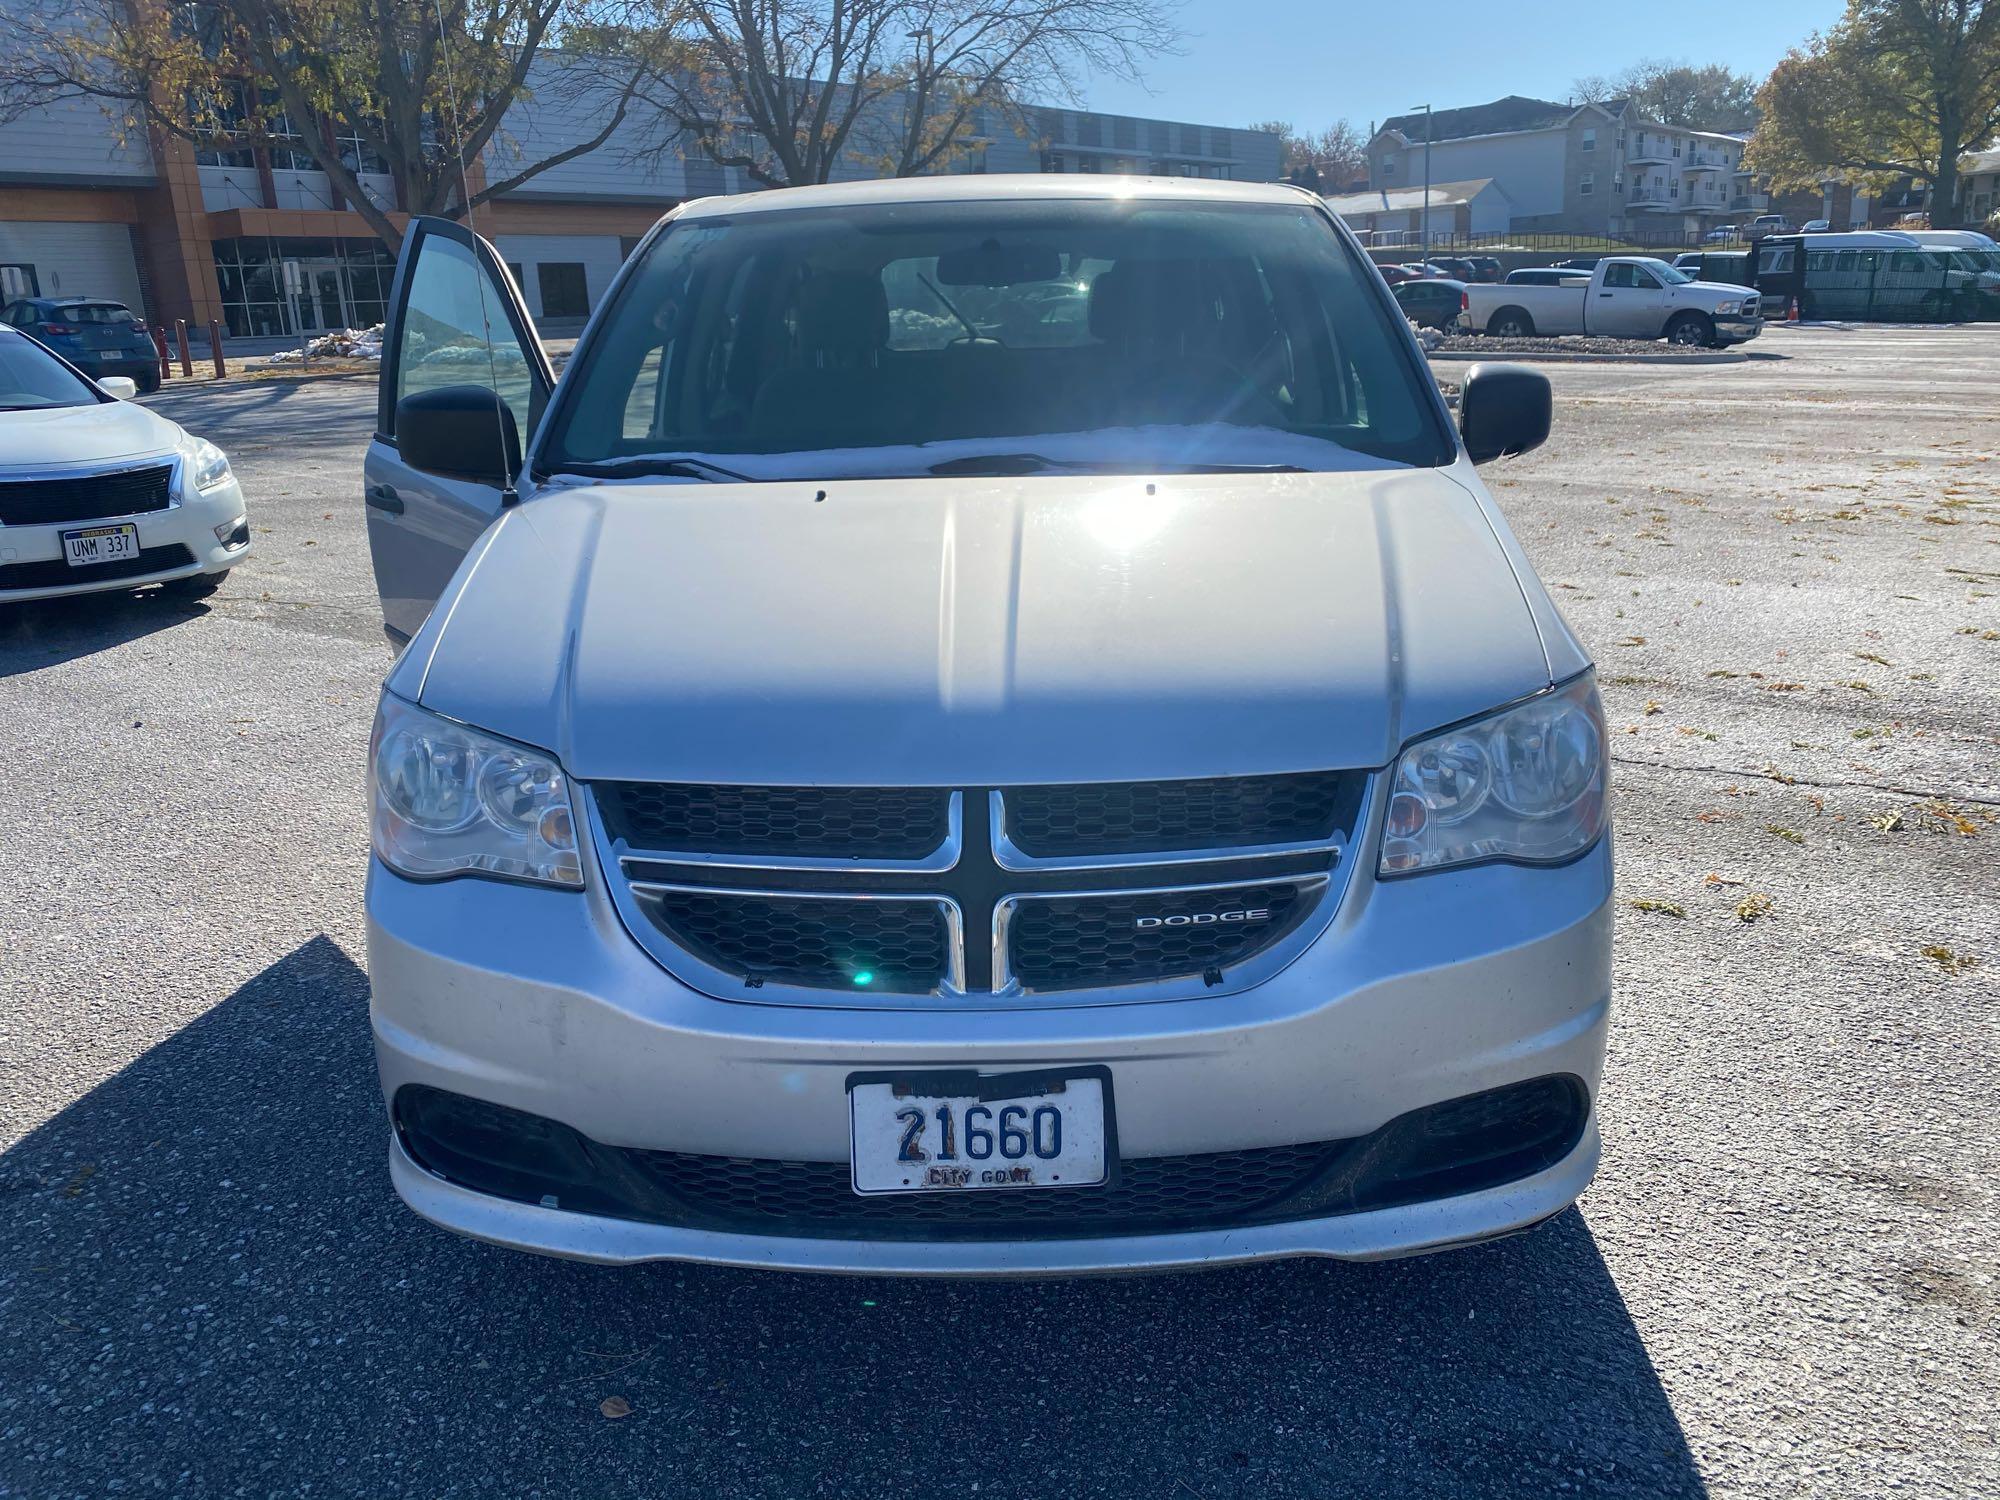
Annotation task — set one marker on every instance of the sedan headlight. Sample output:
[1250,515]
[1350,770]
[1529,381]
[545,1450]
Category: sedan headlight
[1525,784]
[1728,309]
[448,800]
[207,465]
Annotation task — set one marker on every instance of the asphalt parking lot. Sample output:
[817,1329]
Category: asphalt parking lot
[1783,1283]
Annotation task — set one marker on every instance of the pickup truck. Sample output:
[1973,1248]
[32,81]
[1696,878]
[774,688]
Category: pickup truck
[1627,296]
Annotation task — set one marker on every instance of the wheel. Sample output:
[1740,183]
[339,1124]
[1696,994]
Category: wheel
[1691,330]
[1510,323]
[195,586]
[148,381]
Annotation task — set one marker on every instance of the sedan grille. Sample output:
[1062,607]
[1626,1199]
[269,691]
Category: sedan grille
[85,497]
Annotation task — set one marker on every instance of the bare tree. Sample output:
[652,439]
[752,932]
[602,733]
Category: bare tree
[419,88]
[791,90]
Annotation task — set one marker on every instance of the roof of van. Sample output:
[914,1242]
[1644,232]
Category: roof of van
[972,187]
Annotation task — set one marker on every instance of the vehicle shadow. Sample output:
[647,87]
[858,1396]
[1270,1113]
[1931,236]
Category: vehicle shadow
[44,632]
[209,1284]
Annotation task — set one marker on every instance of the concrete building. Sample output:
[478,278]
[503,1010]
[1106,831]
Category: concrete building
[1395,216]
[1599,168]
[258,239]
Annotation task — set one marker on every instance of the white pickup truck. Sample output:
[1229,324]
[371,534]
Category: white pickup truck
[1627,296]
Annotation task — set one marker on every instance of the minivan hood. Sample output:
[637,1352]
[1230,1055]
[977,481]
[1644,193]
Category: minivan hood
[982,632]
[82,434]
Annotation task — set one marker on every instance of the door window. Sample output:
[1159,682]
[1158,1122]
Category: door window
[455,331]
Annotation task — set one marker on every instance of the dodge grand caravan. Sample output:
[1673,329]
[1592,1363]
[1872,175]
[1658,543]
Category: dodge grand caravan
[984,726]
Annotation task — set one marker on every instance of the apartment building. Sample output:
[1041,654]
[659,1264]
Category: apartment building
[1595,168]
[257,238]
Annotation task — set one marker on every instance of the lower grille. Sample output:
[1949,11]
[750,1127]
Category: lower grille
[879,945]
[55,573]
[85,497]
[1459,1146]
[1075,942]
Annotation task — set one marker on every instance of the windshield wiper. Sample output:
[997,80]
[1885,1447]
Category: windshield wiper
[663,467]
[1035,463]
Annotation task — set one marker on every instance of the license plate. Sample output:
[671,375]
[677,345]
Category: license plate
[961,1132]
[100,544]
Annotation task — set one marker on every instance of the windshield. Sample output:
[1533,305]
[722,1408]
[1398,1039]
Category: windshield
[1136,333]
[31,377]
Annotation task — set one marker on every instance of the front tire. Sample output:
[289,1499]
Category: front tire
[1511,323]
[1691,330]
[195,586]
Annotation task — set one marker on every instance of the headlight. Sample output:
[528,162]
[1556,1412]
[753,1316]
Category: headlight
[1727,309]
[207,465]
[448,800]
[1526,784]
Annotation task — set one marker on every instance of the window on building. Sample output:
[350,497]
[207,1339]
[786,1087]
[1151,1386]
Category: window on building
[1586,184]
[565,293]
[17,280]
[1590,140]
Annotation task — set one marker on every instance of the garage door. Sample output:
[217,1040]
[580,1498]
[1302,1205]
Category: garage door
[75,260]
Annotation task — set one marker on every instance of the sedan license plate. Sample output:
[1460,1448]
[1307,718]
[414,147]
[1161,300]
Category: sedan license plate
[100,544]
[961,1132]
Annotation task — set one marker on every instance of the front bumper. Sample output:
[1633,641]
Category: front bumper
[190,522]
[1422,990]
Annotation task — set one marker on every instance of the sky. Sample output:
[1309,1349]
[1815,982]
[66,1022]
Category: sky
[1312,62]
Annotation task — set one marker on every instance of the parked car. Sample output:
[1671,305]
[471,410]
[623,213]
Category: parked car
[1432,304]
[865,792]
[1722,234]
[97,336]
[1547,276]
[1768,224]
[1627,296]
[97,492]
[1817,226]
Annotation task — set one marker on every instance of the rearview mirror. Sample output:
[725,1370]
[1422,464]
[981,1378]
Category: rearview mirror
[1503,410]
[991,263]
[465,431]
[121,386]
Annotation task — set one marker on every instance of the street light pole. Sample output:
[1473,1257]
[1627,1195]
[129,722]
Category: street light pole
[1427,178]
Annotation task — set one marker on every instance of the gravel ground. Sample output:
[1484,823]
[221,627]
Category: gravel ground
[1568,343]
[1782,1283]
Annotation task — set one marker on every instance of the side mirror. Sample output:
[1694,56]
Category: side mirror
[121,386]
[1503,410]
[465,431]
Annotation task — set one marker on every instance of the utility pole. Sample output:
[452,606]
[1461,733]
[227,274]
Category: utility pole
[1427,178]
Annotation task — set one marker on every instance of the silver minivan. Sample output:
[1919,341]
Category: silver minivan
[986,726]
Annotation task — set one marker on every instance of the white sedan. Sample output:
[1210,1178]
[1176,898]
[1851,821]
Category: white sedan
[97,492]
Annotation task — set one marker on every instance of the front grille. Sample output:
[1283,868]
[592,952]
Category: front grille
[1070,942]
[949,893]
[797,822]
[85,497]
[892,946]
[1152,1193]
[55,573]
[1140,817]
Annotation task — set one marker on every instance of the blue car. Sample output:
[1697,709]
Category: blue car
[98,337]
